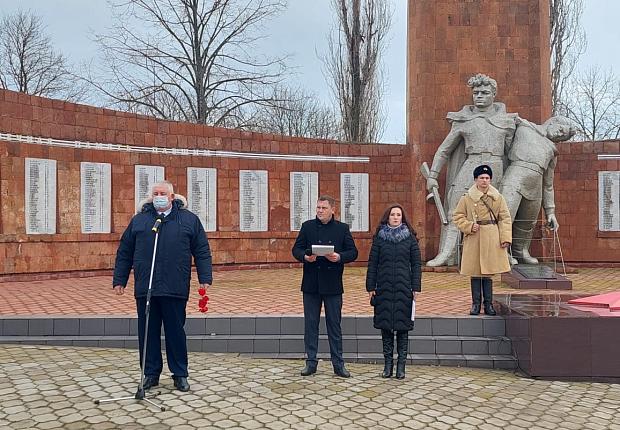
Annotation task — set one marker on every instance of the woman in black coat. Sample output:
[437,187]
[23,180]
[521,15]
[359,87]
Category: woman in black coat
[393,282]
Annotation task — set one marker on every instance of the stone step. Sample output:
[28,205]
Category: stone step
[244,325]
[455,341]
[274,344]
[238,345]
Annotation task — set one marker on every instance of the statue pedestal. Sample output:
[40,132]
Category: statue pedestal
[553,339]
[535,277]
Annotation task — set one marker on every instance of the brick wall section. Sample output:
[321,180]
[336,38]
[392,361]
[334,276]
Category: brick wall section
[450,41]
[70,250]
[576,185]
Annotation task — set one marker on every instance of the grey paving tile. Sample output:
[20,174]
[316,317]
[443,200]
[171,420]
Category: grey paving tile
[271,346]
[500,346]
[365,346]
[15,327]
[66,326]
[240,345]
[448,346]
[479,347]
[349,325]
[243,325]
[195,326]
[494,326]
[92,326]
[422,327]
[116,326]
[268,325]
[215,344]
[291,325]
[422,345]
[40,327]
[444,327]
[364,326]
[470,326]
[218,325]
[291,345]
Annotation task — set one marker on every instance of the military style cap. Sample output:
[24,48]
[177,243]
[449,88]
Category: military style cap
[483,169]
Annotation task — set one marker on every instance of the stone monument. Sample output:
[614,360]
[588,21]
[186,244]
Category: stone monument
[480,134]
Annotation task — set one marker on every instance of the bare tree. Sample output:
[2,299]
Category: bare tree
[296,113]
[568,42]
[190,60]
[29,63]
[353,66]
[595,104]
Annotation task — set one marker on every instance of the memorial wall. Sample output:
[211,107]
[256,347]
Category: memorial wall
[71,177]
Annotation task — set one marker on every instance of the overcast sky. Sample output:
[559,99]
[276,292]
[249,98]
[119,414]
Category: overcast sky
[302,30]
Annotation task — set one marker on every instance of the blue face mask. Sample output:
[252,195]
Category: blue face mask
[160,202]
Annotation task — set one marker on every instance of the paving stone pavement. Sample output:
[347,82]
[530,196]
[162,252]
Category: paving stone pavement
[54,388]
[262,291]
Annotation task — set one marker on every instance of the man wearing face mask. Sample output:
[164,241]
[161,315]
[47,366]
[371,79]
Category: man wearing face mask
[181,236]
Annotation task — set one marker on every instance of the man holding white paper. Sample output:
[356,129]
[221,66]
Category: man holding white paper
[324,245]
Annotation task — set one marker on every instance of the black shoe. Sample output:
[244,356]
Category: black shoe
[180,383]
[475,309]
[308,370]
[150,382]
[488,309]
[342,372]
[400,369]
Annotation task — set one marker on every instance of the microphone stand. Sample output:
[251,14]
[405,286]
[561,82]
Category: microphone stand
[141,394]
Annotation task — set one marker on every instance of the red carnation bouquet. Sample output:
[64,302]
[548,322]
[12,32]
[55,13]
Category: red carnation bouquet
[203,303]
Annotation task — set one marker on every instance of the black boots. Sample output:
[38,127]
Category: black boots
[487,291]
[387,336]
[476,295]
[402,345]
[402,341]
[482,287]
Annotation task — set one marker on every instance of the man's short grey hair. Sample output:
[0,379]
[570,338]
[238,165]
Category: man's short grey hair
[480,80]
[162,184]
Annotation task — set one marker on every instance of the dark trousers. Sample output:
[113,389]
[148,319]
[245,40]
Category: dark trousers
[171,312]
[333,316]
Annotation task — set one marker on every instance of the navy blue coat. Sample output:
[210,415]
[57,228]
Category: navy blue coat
[181,236]
[394,273]
[323,276]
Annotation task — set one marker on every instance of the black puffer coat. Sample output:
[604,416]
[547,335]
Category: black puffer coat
[394,273]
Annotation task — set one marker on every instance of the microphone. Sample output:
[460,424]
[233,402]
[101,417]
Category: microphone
[157,224]
[308,252]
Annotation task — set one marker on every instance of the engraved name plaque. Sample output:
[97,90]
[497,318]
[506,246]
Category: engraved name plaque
[145,177]
[354,198]
[304,194]
[40,204]
[95,197]
[253,202]
[202,195]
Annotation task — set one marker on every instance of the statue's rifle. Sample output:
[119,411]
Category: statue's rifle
[434,194]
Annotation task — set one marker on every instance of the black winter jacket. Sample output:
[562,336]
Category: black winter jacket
[181,236]
[323,276]
[394,273]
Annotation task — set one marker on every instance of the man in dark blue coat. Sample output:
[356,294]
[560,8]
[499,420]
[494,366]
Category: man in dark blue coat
[322,281]
[181,236]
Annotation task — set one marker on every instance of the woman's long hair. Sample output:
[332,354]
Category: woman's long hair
[386,218]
